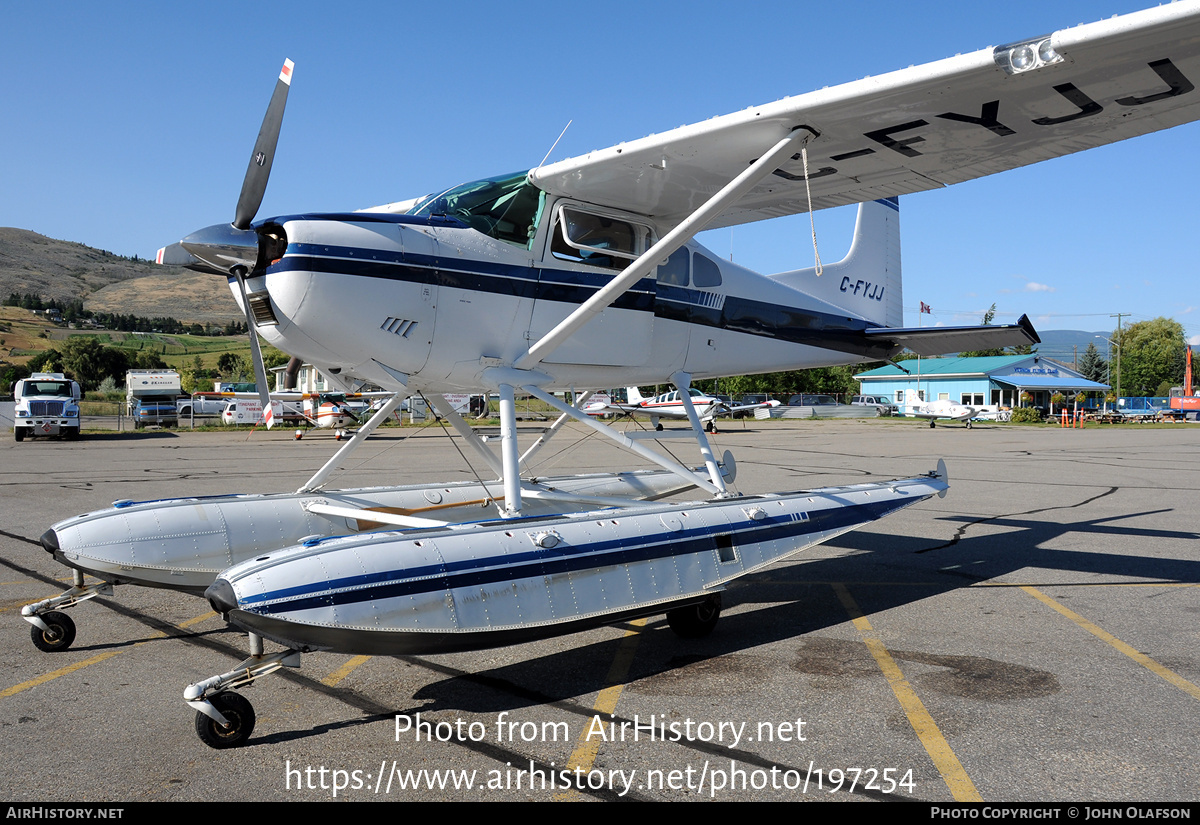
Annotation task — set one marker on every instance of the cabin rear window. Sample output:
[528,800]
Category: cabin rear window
[705,271]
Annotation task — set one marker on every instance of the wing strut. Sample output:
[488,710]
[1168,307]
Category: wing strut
[580,400]
[626,441]
[350,446]
[662,250]
[446,410]
[682,381]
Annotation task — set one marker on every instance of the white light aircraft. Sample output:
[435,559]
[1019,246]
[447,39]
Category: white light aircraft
[670,405]
[933,410]
[584,273]
[325,410]
[336,410]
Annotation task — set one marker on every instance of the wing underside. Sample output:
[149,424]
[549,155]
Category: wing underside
[916,129]
[941,340]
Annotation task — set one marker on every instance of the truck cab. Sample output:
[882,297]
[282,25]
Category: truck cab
[47,403]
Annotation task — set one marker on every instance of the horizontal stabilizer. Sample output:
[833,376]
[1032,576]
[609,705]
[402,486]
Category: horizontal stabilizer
[942,340]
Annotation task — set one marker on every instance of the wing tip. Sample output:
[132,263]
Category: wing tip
[1025,324]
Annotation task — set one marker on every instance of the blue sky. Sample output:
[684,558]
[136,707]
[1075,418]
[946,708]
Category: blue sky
[129,125]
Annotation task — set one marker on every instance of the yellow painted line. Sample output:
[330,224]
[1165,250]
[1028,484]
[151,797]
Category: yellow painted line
[952,771]
[201,618]
[1139,657]
[1097,584]
[584,755]
[342,672]
[41,680]
[47,677]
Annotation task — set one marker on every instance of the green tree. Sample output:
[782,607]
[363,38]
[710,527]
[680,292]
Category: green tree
[1092,366]
[11,374]
[146,360]
[232,365]
[273,357]
[89,362]
[1152,352]
[48,360]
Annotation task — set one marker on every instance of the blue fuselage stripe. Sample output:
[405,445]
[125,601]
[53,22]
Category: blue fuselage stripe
[674,303]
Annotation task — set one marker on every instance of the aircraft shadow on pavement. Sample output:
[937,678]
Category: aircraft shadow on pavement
[798,602]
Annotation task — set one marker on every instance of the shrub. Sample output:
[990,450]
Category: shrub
[1026,415]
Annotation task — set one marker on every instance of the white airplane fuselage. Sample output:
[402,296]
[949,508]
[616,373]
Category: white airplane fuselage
[429,304]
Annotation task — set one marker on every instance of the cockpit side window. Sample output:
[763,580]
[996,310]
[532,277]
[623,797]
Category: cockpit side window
[595,239]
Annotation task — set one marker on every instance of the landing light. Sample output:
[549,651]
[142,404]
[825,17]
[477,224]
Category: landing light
[1026,56]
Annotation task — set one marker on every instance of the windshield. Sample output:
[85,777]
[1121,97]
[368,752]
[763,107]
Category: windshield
[58,388]
[504,207]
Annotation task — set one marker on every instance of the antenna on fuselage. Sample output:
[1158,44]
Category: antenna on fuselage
[560,137]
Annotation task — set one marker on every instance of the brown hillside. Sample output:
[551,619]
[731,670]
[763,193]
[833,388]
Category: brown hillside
[172,292]
[33,263]
[62,270]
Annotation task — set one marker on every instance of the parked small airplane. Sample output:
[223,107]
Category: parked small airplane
[670,405]
[933,410]
[338,410]
[583,273]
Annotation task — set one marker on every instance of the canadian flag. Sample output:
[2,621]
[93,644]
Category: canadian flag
[926,308]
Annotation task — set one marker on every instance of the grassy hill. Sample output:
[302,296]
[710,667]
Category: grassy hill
[24,334]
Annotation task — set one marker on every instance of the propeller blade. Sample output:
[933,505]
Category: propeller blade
[260,371]
[259,170]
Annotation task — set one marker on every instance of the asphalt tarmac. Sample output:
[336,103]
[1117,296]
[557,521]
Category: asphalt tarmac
[1031,637]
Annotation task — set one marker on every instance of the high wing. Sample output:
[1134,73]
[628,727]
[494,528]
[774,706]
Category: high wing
[915,129]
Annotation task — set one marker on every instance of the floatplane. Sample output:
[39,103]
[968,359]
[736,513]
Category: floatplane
[583,273]
[670,405]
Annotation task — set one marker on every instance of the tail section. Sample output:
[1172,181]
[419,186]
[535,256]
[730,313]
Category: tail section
[867,282]
[633,395]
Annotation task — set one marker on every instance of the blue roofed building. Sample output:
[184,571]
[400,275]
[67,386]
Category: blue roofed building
[992,382]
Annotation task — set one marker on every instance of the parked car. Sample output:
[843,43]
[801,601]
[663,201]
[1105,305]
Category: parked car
[202,403]
[880,402]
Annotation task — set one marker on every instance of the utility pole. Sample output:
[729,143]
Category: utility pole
[1120,346]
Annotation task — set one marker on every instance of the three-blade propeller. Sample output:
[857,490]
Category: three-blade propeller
[233,249]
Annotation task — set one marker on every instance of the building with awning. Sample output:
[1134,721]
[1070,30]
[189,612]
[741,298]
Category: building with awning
[992,381]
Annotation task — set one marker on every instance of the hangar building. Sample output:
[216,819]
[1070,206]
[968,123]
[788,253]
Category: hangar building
[993,381]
